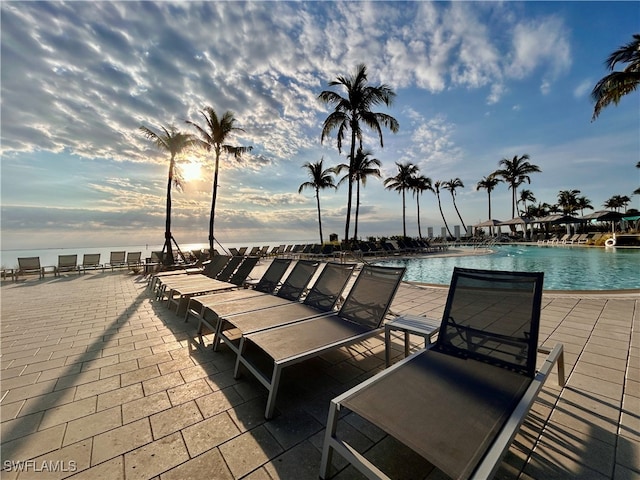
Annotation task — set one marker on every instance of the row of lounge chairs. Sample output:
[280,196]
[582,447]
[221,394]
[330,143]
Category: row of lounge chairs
[69,263]
[568,239]
[459,403]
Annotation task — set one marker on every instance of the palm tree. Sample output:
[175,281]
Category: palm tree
[568,201]
[420,184]
[582,203]
[352,110]
[321,178]
[362,167]
[488,184]
[637,190]
[617,202]
[174,142]
[526,196]
[400,183]
[617,84]
[515,172]
[451,185]
[436,189]
[213,137]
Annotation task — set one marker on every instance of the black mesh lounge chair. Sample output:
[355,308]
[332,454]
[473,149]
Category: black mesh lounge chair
[27,265]
[240,317]
[67,263]
[229,268]
[267,284]
[91,261]
[117,260]
[134,259]
[460,402]
[244,270]
[360,317]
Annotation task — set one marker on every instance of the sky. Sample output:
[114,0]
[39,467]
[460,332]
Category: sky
[475,82]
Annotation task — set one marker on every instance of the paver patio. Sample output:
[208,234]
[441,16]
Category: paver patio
[98,380]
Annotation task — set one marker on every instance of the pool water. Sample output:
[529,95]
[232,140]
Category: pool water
[565,268]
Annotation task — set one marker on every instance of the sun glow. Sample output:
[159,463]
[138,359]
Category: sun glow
[191,171]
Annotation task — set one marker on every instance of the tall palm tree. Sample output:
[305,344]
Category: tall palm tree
[637,190]
[526,196]
[568,201]
[617,84]
[617,202]
[420,184]
[321,178]
[174,142]
[582,203]
[436,189]
[515,172]
[362,167]
[489,183]
[401,183]
[353,110]
[451,185]
[213,136]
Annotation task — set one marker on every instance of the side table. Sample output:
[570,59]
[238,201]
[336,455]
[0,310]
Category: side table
[409,324]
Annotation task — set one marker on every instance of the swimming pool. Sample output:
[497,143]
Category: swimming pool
[565,268]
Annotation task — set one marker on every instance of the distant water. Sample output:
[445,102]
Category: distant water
[49,256]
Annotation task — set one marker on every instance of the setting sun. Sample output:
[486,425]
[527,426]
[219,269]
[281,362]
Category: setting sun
[191,171]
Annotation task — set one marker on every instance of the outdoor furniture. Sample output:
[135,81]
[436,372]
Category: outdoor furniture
[409,324]
[237,318]
[460,402]
[117,260]
[267,284]
[134,259]
[360,317]
[67,263]
[90,261]
[29,265]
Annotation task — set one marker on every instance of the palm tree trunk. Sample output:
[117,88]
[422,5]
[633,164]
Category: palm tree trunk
[355,225]
[319,220]
[459,216]
[404,216]
[490,226]
[351,160]
[418,208]
[213,204]
[168,258]
[442,215]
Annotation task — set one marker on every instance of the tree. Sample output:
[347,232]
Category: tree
[401,183]
[617,202]
[526,196]
[637,190]
[420,184]
[617,84]
[568,201]
[174,142]
[582,203]
[321,178]
[213,136]
[488,184]
[515,172]
[362,167]
[353,110]
[436,189]
[451,185]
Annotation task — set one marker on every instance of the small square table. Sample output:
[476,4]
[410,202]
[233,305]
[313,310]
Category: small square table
[409,324]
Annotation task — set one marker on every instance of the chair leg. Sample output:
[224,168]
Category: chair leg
[273,391]
[327,450]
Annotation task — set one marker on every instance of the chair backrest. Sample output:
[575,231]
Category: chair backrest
[134,257]
[297,281]
[117,257]
[156,257]
[215,266]
[29,263]
[370,297]
[243,270]
[90,259]
[494,317]
[326,291]
[66,261]
[271,278]
[229,268]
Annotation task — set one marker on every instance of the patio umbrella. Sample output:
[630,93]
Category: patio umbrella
[604,216]
[489,223]
[524,221]
[560,219]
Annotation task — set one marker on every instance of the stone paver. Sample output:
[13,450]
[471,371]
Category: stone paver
[110,382]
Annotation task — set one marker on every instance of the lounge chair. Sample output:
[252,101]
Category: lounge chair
[460,402]
[91,261]
[134,259]
[27,265]
[267,284]
[117,260]
[230,267]
[211,269]
[360,317]
[244,270]
[237,318]
[67,263]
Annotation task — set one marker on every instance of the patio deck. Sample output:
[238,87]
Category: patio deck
[98,381]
